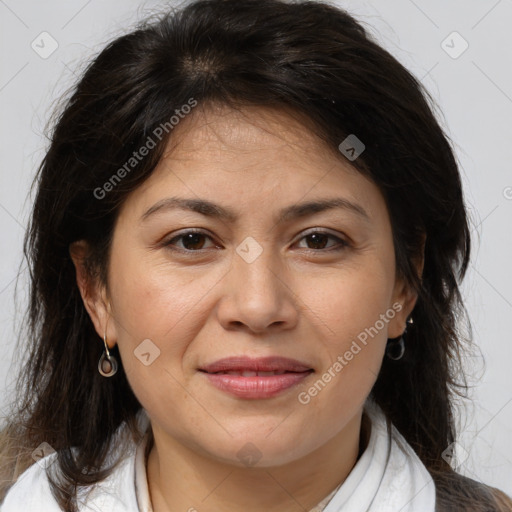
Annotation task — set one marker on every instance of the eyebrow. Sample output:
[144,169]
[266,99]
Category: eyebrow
[296,211]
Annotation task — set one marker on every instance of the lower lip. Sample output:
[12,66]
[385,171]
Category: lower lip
[255,387]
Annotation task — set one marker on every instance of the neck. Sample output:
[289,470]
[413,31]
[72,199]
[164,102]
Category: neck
[181,479]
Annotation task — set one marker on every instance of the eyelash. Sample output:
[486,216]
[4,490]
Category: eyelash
[342,244]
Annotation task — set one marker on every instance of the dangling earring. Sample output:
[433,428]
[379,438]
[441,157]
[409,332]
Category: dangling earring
[395,348]
[107,365]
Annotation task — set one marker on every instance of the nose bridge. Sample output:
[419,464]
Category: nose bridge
[256,295]
[257,268]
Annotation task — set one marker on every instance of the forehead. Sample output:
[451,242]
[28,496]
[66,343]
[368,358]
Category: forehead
[224,132]
[252,157]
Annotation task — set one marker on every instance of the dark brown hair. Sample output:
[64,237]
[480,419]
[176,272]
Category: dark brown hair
[315,60]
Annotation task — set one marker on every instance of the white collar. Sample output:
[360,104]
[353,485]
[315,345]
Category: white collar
[388,477]
[141,484]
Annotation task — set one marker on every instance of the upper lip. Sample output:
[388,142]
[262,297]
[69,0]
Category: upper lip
[262,364]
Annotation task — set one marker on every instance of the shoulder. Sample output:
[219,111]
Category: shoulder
[116,493]
[32,490]
[455,493]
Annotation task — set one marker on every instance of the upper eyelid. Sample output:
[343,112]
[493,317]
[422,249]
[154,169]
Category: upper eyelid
[324,231]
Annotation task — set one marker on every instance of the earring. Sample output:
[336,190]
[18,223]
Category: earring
[107,365]
[395,348]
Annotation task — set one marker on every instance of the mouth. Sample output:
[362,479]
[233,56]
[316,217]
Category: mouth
[261,378]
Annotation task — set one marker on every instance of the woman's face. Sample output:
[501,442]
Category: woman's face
[266,273]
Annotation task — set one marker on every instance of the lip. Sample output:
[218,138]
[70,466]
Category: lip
[256,386]
[261,364]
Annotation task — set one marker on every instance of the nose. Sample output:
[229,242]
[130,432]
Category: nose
[257,297]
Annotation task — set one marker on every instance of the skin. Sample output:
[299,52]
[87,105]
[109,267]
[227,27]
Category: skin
[297,299]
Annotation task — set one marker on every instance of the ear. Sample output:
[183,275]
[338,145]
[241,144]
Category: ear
[94,294]
[406,296]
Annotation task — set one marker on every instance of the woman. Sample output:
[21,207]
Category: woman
[245,253]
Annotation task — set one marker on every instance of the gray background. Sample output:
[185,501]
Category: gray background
[474,92]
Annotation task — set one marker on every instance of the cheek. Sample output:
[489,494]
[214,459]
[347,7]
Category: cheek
[151,297]
[153,336]
[163,305]
[351,311]
[349,302]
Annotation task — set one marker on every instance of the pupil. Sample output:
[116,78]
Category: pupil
[317,239]
[193,239]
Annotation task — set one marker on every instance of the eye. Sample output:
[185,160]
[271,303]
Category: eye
[195,241]
[318,240]
[191,241]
